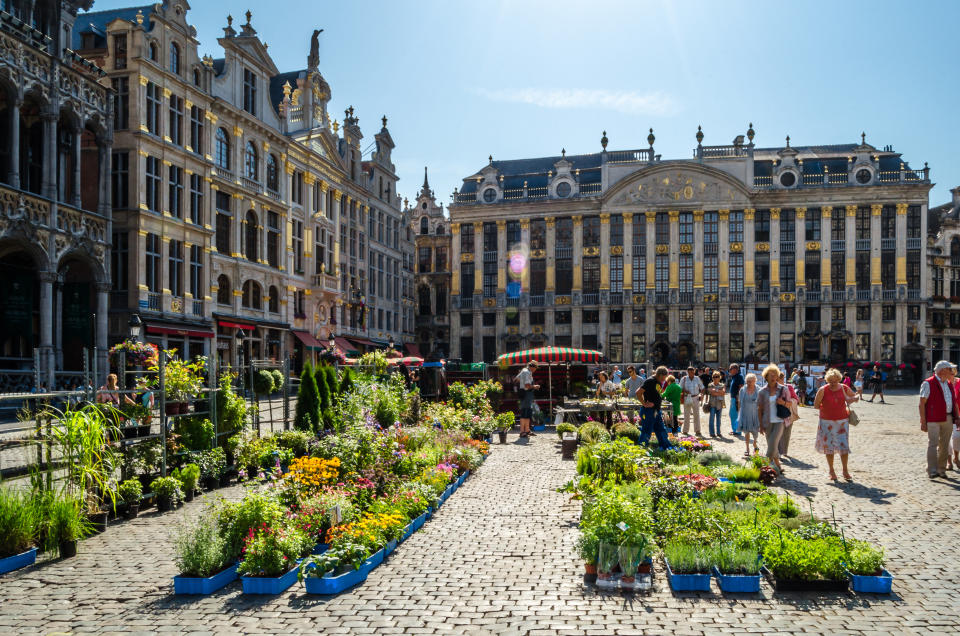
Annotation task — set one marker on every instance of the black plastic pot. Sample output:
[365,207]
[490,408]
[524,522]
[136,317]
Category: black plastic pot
[188,495]
[796,585]
[225,480]
[164,504]
[132,511]
[503,436]
[99,521]
[210,482]
[68,549]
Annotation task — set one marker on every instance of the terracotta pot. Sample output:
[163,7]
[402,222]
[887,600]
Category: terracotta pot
[644,568]
[590,568]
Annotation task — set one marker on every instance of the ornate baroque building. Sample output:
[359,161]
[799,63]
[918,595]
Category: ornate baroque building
[943,319]
[808,253]
[55,118]
[432,237]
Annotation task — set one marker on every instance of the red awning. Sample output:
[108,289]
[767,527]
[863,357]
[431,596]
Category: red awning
[307,339]
[362,341]
[413,350]
[344,345]
[235,325]
[179,332]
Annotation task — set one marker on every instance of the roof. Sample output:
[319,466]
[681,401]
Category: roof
[276,86]
[534,171]
[218,65]
[97,21]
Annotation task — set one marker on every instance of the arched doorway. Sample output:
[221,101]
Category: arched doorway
[20,299]
[77,307]
[660,352]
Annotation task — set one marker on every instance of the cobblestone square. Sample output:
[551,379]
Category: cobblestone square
[498,558]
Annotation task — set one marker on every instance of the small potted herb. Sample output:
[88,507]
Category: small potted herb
[202,557]
[688,567]
[168,491]
[188,476]
[503,422]
[797,563]
[212,463]
[634,558]
[66,524]
[130,491]
[865,567]
[607,560]
[270,558]
[18,526]
[736,570]
[337,569]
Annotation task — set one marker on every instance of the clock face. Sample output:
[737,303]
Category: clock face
[563,189]
[864,176]
[787,179]
[489,195]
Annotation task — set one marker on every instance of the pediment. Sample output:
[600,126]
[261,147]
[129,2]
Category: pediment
[255,50]
[683,184]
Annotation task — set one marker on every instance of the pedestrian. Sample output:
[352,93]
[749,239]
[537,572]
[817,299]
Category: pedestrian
[748,420]
[691,388]
[633,382]
[605,389]
[772,396]
[833,431]
[858,384]
[802,387]
[642,372]
[673,394]
[650,415]
[878,378]
[706,377]
[526,388]
[955,438]
[788,423]
[109,393]
[617,377]
[715,393]
[847,380]
[735,384]
[938,413]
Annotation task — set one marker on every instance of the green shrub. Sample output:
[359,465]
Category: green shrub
[593,432]
[169,487]
[348,381]
[332,382]
[66,521]
[864,559]
[130,491]
[231,408]
[263,382]
[200,549]
[714,458]
[744,474]
[793,558]
[212,463]
[236,518]
[189,476]
[627,430]
[564,427]
[323,391]
[277,379]
[296,441]
[18,522]
[736,561]
[307,417]
[815,530]
[196,433]
[687,558]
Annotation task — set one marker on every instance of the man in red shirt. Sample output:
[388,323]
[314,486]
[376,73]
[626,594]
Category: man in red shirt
[938,412]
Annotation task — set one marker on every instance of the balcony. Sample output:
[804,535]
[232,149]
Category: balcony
[591,299]
[889,294]
[838,246]
[842,178]
[616,298]
[225,174]
[721,152]
[813,286]
[736,296]
[888,243]
[788,247]
[913,243]
[662,298]
[863,245]
[863,294]
[629,156]
[537,300]
[763,296]
[251,184]
[489,256]
[711,248]
[466,302]
[838,296]
[913,294]
[563,252]
[196,307]
[273,194]
[639,249]
[154,301]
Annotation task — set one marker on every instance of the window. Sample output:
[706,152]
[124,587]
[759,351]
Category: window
[686,228]
[120,51]
[863,222]
[591,231]
[761,226]
[662,272]
[788,226]
[489,237]
[812,314]
[174,58]
[686,273]
[564,275]
[888,222]
[615,348]
[837,271]
[564,233]
[762,346]
[616,229]
[711,270]
[913,269]
[175,261]
[222,149]
[736,273]
[424,226]
[423,298]
[888,312]
[251,298]
[787,349]
[838,226]
[176,191]
[711,347]
[423,262]
[639,232]
[154,103]
[196,271]
[223,241]
[736,347]
[862,346]
[119,266]
[154,51]
[863,312]
[273,302]
[513,234]
[711,221]
[838,317]
[788,274]
[686,316]
[788,314]
[616,274]
[863,271]
[538,276]
[736,314]
[638,272]
[196,77]
[662,229]
[120,180]
[811,224]
[489,279]
[440,260]
[296,191]
[223,290]
[317,186]
[250,237]
[562,317]
[638,347]
[251,161]
[297,240]
[196,199]
[591,317]
[176,120]
[761,314]
[153,184]
[466,279]
[121,103]
[736,232]
[441,301]
[639,316]
[196,129]
[591,274]
[249,91]
[913,221]
[489,319]
[152,253]
[273,241]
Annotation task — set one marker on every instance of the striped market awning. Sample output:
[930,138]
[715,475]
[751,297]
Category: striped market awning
[550,354]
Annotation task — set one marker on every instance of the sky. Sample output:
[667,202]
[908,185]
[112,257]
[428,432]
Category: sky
[526,78]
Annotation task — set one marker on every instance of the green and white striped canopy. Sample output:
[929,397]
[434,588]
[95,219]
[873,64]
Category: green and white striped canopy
[550,354]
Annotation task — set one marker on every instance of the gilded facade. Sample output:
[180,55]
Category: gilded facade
[789,254]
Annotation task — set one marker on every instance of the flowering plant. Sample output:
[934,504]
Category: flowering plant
[372,530]
[310,474]
[138,353]
[316,515]
[271,551]
[699,481]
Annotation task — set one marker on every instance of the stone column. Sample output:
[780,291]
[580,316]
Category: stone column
[551,256]
[800,251]
[723,285]
[75,199]
[524,247]
[47,280]
[58,323]
[13,176]
[651,313]
[749,252]
[48,187]
[103,301]
[454,261]
[105,155]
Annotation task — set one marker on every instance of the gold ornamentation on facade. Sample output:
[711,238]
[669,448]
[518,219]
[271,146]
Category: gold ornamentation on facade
[489,302]
[674,215]
[902,209]
[686,248]
[604,219]
[851,210]
[787,297]
[801,213]
[876,209]
[762,247]
[736,247]
[537,329]
[639,299]
[723,215]
[748,213]
[710,298]
[651,216]
[663,249]
[477,228]
[466,257]
[561,300]
[627,217]
[826,211]
[513,330]
[698,215]
[454,228]
[551,222]
[940,261]
[616,250]
[237,131]
[538,253]
[309,178]
[501,225]
[524,224]
[577,220]
[591,251]
[774,214]
[813,246]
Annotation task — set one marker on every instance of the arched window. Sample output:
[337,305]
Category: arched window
[440,230]
[223,290]
[250,161]
[222,149]
[196,77]
[955,251]
[272,180]
[251,298]
[273,305]
[174,58]
[424,226]
[154,51]
[250,236]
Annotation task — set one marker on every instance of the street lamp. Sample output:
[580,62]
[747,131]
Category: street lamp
[332,342]
[239,338]
[136,325]
[390,344]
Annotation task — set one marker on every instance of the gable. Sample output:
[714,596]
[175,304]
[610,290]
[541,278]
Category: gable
[682,182]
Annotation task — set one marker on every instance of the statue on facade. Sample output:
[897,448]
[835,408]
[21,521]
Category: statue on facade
[313,60]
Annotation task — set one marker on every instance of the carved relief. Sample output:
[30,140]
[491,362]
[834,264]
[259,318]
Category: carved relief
[681,185]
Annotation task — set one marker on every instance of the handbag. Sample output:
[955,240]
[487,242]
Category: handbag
[853,418]
[783,412]
[706,407]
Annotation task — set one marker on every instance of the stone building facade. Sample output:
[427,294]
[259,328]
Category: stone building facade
[55,225]
[789,254]
[433,272]
[943,259]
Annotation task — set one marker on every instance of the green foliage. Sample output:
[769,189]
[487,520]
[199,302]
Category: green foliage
[18,522]
[794,558]
[348,381]
[744,474]
[231,408]
[688,558]
[626,430]
[565,427]
[189,475]
[615,517]
[324,398]
[66,521]
[730,559]
[617,460]
[130,491]
[688,520]
[296,441]
[168,487]
[183,379]
[200,549]
[307,417]
[82,440]
[374,362]
[333,383]
[474,397]
[339,559]
[714,458]
[277,379]
[504,421]
[196,433]
[236,518]
[263,382]
[864,559]
[212,462]
[273,550]
[593,432]
[815,530]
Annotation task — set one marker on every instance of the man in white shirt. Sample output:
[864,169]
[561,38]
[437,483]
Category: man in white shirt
[691,388]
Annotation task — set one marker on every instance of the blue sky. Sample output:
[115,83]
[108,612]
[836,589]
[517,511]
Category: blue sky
[463,80]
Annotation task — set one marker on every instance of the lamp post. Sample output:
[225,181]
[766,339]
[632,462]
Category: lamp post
[240,339]
[136,326]
[390,345]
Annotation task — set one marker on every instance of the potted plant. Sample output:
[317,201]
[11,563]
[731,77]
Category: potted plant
[182,382]
[130,491]
[796,563]
[168,492]
[608,558]
[688,566]
[270,558]
[66,524]
[18,527]
[736,569]
[188,476]
[202,557]
[336,569]
[865,566]
[212,465]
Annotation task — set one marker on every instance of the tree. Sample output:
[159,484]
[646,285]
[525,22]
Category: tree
[346,384]
[324,390]
[332,380]
[307,416]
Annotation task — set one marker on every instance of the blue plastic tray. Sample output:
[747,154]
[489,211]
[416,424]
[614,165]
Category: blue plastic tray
[687,582]
[407,531]
[882,584]
[334,584]
[390,547]
[320,548]
[203,586]
[18,561]
[419,521]
[269,584]
[742,583]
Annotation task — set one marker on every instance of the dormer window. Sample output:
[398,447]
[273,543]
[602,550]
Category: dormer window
[424,226]
[196,77]
[120,51]
[154,51]
[174,58]
[490,195]
[249,91]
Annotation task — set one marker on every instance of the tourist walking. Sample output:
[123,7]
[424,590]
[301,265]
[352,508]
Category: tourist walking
[772,409]
[706,377]
[633,382]
[833,432]
[938,413]
[526,388]
[605,389]
[674,395]
[617,377]
[749,421]
[788,423]
[715,393]
[858,384]
[735,384]
[802,386]
[691,388]
[878,379]
[651,417]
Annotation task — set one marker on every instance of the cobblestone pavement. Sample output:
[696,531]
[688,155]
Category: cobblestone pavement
[499,558]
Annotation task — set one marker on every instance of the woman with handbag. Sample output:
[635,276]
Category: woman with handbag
[773,407]
[832,401]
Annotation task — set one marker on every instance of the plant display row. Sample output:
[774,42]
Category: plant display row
[326,506]
[708,516]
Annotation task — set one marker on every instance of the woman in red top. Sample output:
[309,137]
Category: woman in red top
[832,400]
